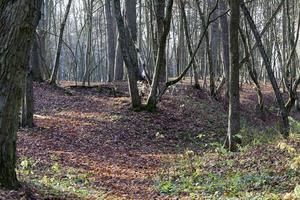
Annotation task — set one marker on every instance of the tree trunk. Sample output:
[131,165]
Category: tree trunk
[225,44]
[280,101]
[208,52]
[59,45]
[89,5]
[188,40]
[213,49]
[17,39]
[27,103]
[163,27]
[234,90]
[119,64]
[35,62]
[129,55]
[110,32]
[131,16]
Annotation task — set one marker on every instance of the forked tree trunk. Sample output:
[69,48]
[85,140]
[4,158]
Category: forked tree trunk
[163,27]
[129,55]
[15,44]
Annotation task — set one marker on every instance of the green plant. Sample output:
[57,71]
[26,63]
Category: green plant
[295,125]
[58,180]
[220,149]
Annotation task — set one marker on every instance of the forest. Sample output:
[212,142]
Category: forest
[149,99]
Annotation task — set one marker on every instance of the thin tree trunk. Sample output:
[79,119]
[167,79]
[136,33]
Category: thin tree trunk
[59,45]
[225,44]
[280,101]
[187,35]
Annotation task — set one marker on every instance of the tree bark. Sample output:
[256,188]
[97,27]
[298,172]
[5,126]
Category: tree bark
[35,61]
[89,5]
[27,103]
[129,55]
[234,90]
[119,64]
[15,44]
[111,45]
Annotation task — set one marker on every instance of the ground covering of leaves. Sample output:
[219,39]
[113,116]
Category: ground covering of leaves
[89,144]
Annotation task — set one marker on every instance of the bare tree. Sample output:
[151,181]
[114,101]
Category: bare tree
[59,45]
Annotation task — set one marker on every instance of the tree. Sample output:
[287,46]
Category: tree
[129,55]
[89,8]
[111,46]
[280,101]
[59,45]
[35,61]
[187,35]
[163,21]
[225,45]
[27,101]
[234,90]
[17,39]
[208,49]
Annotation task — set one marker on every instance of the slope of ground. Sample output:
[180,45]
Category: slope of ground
[91,145]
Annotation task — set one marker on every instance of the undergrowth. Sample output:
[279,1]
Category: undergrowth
[266,167]
[57,181]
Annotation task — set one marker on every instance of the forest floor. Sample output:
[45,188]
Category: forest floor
[89,144]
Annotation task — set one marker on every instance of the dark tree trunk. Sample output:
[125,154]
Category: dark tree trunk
[17,39]
[119,64]
[35,62]
[110,32]
[129,55]
[131,16]
[253,75]
[213,48]
[27,103]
